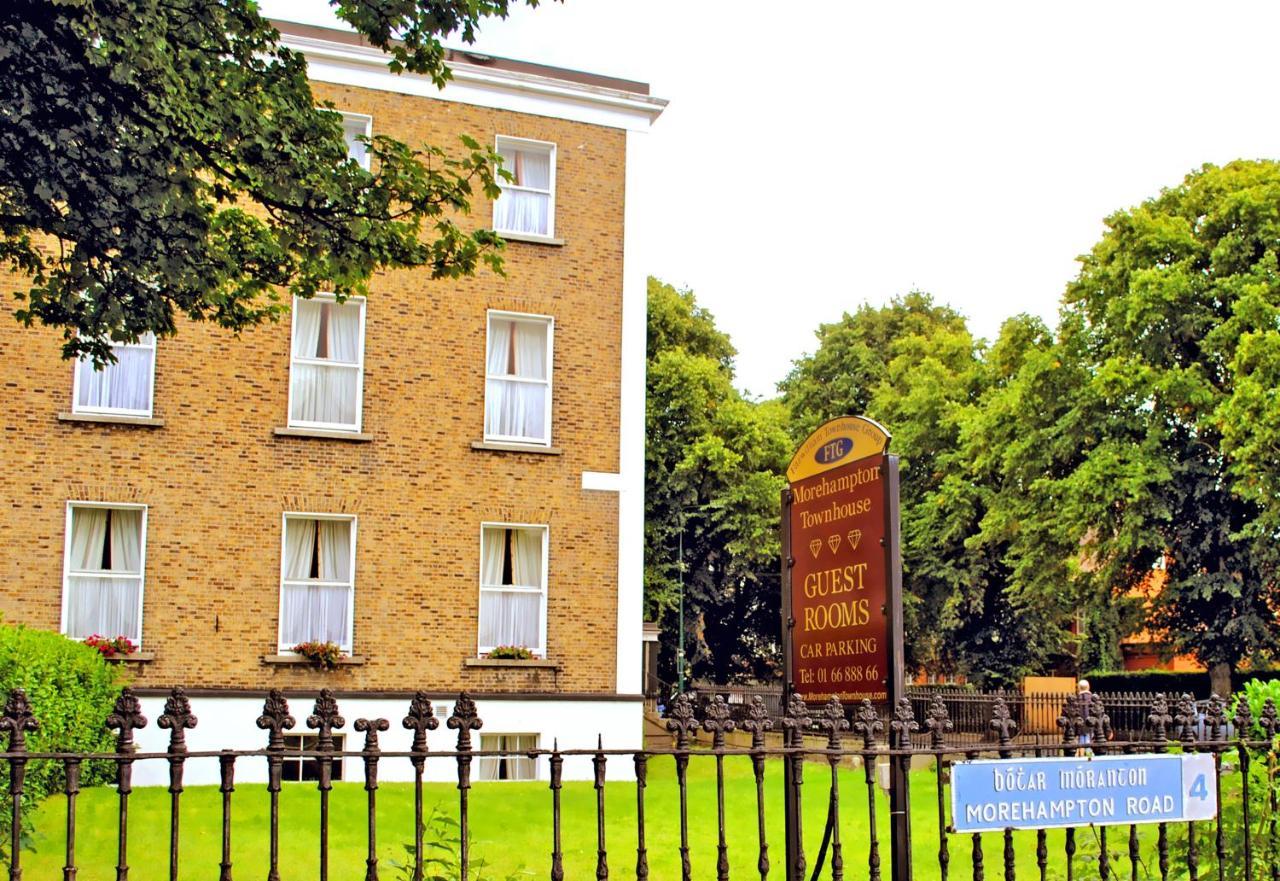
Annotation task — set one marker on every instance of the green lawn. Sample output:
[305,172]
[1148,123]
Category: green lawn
[511,828]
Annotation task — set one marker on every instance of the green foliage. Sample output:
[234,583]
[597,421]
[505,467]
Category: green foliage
[1161,681]
[713,478]
[1256,692]
[72,690]
[169,158]
[1161,321]
[441,846]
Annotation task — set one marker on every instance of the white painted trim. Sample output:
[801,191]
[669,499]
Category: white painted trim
[601,481]
[366,67]
[358,366]
[76,407]
[529,318]
[349,116]
[349,645]
[632,429]
[142,558]
[540,651]
[529,146]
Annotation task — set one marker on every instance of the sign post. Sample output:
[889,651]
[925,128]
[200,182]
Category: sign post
[842,590]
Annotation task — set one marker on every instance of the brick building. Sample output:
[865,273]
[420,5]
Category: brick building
[419,477]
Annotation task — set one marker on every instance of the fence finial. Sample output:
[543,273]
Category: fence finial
[938,721]
[1001,722]
[18,720]
[1160,718]
[125,717]
[1186,719]
[681,719]
[831,719]
[757,721]
[1267,719]
[867,724]
[796,722]
[1215,717]
[464,720]
[324,718]
[275,719]
[177,717]
[718,721]
[420,720]
[903,725]
[1244,719]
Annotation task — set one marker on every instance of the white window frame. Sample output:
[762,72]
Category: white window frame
[547,147]
[485,761]
[352,121]
[294,358]
[538,651]
[66,562]
[349,640]
[529,318]
[77,407]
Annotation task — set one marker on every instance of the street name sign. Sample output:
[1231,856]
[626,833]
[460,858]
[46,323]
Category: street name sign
[1043,793]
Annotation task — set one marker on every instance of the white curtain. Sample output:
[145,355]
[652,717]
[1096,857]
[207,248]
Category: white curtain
[327,332]
[513,408]
[316,612]
[491,554]
[124,385]
[524,210]
[511,617]
[107,606]
[508,767]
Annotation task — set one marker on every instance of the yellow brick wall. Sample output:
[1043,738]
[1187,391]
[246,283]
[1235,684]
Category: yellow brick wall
[216,479]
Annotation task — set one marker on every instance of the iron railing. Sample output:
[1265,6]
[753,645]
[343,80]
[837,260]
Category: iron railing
[862,738]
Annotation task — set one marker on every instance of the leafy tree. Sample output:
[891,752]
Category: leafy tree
[713,478]
[164,158]
[1174,318]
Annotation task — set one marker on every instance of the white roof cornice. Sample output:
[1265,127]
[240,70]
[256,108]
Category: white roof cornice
[366,66]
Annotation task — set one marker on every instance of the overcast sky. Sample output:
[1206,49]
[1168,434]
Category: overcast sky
[853,151]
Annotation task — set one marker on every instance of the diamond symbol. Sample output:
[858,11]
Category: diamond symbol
[815,546]
[834,543]
[854,536]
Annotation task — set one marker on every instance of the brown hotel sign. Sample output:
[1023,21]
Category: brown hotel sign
[842,581]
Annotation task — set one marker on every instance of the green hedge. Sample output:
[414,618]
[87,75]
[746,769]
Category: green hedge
[1171,682]
[1165,681]
[72,690]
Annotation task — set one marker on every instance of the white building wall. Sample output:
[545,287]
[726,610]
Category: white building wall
[231,723]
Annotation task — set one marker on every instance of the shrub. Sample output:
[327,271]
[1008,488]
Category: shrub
[1164,681]
[72,690]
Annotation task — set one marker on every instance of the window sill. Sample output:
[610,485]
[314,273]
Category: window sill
[531,238]
[111,419]
[298,660]
[499,447]
[135,658]
[531,663]
[325,433]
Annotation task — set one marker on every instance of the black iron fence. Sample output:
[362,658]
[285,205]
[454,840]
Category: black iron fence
[1036,714]
[1241,842]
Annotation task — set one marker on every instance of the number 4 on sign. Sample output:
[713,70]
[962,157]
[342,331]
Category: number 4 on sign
[1199,788]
